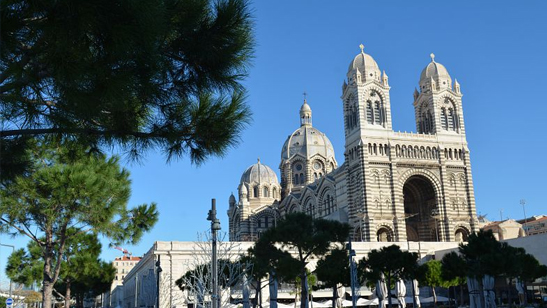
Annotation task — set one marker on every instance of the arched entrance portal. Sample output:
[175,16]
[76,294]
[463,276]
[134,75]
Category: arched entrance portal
[420,204]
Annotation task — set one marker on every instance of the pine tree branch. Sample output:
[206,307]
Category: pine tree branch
[30,235]
[58,294]
[88,131]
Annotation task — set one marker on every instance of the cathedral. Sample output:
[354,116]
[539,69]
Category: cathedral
[392,186]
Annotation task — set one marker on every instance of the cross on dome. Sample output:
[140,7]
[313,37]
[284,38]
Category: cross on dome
[362,48]
[432,55]
[305,95]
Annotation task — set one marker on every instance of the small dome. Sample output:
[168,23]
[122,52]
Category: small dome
[365,64]
[305,108]
[305,114]
[259,173]
[437,72]
[232,199]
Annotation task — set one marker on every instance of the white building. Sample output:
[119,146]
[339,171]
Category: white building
[176,258]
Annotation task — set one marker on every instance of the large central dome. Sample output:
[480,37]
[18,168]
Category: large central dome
[307,141]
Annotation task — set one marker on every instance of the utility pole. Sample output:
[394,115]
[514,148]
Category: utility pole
[215,227]
[10,283]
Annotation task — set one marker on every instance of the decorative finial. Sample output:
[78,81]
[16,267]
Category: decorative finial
[432,55]
[362,48]
[305,96]
[258,159]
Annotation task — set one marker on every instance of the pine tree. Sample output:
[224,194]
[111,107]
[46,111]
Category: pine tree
[308,237]
[144,74]
[333,269]
[67,192]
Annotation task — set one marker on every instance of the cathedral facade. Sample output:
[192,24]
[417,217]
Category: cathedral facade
[392,186]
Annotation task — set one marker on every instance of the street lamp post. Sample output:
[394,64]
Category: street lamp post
[276,211]
[158,273]
[215,227]
[12,250]
[435,214]
[523,203]
[353,274]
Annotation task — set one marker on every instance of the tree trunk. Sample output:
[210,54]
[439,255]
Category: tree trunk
[525,292]
[434,296]
[509,280]
[449,300]
[47,281]
[304,291]
[67,294]
[334,296]
[389,289]
[481,289]
[47,290]
[413,294]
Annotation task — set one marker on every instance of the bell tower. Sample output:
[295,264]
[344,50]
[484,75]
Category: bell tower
[367,120]
[438,104]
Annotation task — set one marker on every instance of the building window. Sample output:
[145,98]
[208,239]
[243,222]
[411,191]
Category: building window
[369,113]
[266,192]
[444,119]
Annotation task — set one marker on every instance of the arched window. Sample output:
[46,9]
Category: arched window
[309,208]
[444,119]
[377,113]
[274,192]
[354,115]
[450,119]
[255,191]
[375,110]
[301,178]
[384,235]
[265,192]
[369,113]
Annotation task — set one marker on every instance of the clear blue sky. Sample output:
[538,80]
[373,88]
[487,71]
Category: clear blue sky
[497,50]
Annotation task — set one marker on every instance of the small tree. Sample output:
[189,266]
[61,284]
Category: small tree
[529,270]
[81,269]
[453,269]
[334,269]
[432,277]
[67,192]
[265,259]
[307,237]
[390,261]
